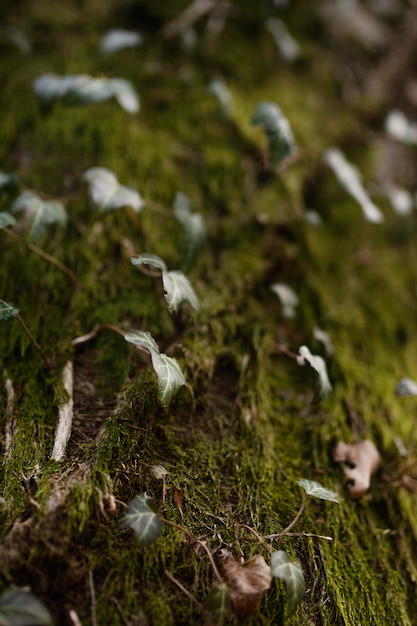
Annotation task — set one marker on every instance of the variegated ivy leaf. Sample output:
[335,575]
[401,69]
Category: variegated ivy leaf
[316,490]
[400,128]
[38,213]
[7,181]
[217,88]
[6,219]
[142,339]
[108,194]
[350,179]
[217,604]
[178,289]
[324,386]
[288,297]
[277,129]
[84,89]
[406,387]
[118,39]
[153,260]
[293,576]
[195,234]
[168,372]
[142,519]
[7,311]
[21,608]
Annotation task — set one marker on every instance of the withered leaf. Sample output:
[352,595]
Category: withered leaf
[246,581]
[361,460]
[178,498]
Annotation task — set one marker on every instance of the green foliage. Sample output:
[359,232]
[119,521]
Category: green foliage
[38,214]
[21,608]
[277,129]
[107,193]
[178,288]
[142,519]
[84,89]
[218,604]
[195,233]
[316,490]
[7,311]
[6,219]
[169,374]
[292,574]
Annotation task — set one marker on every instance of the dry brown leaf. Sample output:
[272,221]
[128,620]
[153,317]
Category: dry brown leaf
[246,581]
[361,460]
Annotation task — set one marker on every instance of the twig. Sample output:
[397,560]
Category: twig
[295,520]
[65,411]
[74,618]
[259,538]
[93,599]
[34,342]
[313,535]
[198,542]
[44,255]
[185,591]
[191,14]
[91,335]
[285,350]
[10,422]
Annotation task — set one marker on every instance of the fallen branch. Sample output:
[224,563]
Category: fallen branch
[63,430]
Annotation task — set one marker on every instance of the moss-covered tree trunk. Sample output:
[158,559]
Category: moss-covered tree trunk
[235,440]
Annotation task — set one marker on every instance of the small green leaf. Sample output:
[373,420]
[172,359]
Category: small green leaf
[218,604]
[6,219]
[153,260]
[277,129]
[7,311]
[293,576]
[170,376]
[316,490]
[143,339]
[178,289]
[318,364]
[8,182]
[118,39]
[38,213]
[142,519]
[107,193]
[21,608]
[195,234]
[83,89]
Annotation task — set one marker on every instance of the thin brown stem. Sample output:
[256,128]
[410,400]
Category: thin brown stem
[255,534]
[185,591]
[198,542]
[91,335]
[312,535]
[44,255]
[34,342]
[295,520]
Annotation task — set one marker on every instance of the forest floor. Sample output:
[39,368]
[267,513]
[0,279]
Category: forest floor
[222,459]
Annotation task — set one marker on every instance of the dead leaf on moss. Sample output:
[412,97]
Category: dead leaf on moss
[361,460]
[178,498]
[246,581]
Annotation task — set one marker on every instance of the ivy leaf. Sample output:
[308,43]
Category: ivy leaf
[324,386]
[118,39]
[7,181]
[178,289]
[277,129]
[195,234]
[143,339]
[293,576]
[169,374]
[217,88]
[84,89]
[6,219]
[142,519]
[218,604]
[349,177]
[153,260]
[406,387]
[7,311]
[38,213]
[316,490]
[21,608]
[108,194]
